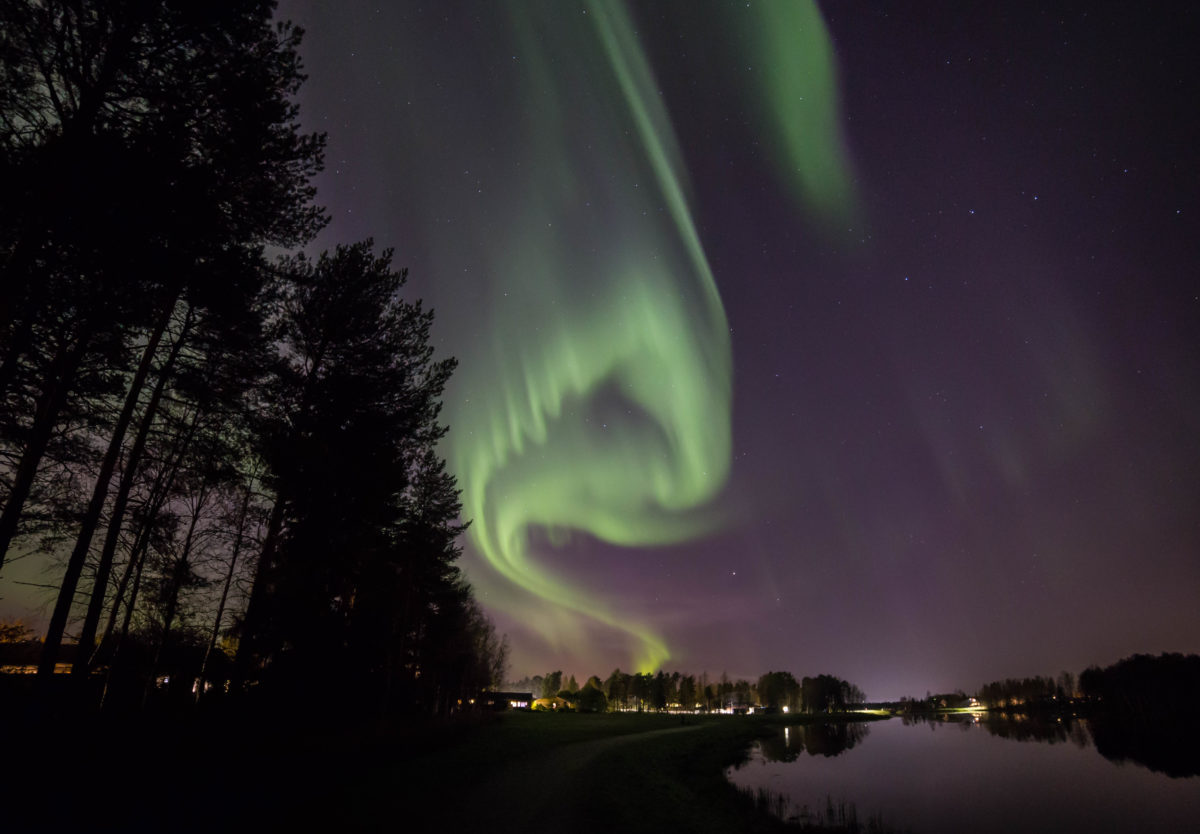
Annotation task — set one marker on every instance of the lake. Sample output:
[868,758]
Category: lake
[973,774]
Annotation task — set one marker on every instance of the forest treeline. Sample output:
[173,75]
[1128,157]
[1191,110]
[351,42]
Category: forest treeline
[642,691]
[1141,686]
[228,455]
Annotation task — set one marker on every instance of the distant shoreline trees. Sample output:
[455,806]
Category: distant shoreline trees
[660,691]
[1166,686]
[1141,686]
[1028,693]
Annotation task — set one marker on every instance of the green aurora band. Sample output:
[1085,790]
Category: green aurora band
[596,400]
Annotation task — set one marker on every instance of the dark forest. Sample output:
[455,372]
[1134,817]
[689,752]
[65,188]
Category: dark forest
[228,451]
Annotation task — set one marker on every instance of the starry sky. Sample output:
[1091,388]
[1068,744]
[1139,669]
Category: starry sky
[860,340]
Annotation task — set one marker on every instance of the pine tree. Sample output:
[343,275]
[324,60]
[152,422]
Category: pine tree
[363,529]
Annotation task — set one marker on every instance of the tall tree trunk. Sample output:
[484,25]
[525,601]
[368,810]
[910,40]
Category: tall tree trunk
[179,574]
[136,560]
[50,403]
[91,517]
[131,606]
[161,488]
[87,634]
[164,483]
[233,560]
[249,645]
[255,613]
[178,577]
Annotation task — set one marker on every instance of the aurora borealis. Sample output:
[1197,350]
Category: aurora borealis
[857,338]
[601,404]
[853,339]
[594,397]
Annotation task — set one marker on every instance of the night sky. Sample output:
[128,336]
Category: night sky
[863,341]
[941,426]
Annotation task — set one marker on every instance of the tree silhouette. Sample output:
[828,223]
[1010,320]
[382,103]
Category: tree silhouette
[151,149]
[213,439]
[358,562]
[779,689]
[591,697]
[551,683]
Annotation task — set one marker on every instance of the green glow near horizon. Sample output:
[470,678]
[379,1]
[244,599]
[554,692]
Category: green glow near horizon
[597,398]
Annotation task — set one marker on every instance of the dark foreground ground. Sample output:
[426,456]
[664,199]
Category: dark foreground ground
[611,773]
[516,772]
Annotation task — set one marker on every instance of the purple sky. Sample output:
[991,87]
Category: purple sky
[966,433]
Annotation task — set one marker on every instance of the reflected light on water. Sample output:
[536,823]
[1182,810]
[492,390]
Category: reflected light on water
[987,779]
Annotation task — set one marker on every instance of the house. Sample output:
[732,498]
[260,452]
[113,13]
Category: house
[22,658]
[506,700]
[552,704]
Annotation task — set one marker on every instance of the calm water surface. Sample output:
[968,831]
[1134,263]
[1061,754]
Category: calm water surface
[960,777]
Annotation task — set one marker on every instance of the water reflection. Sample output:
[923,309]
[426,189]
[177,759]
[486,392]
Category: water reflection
[1162,747]
[1056,731]
[1015,726]
[814,739]
[1171,748]
[954,773]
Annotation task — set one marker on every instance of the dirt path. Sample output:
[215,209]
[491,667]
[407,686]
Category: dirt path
[544,792]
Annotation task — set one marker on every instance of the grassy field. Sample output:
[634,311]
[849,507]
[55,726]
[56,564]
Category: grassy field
[534,772]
